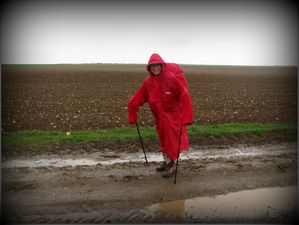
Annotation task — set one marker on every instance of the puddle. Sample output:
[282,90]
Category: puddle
[79,162]
[48,162]
[192,153]
[264,204]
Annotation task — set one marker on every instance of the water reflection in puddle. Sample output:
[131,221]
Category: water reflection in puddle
[264,204]
[97,158]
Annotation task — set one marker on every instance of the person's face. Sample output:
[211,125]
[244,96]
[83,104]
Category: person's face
[155,69]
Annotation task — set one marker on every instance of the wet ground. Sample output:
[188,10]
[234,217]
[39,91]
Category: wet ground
[250,205]
[214,184]
[110,158]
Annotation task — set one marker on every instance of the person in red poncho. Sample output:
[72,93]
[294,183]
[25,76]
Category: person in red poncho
[166,91]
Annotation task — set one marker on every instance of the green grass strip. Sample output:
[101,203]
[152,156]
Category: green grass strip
[240,129]
[29,138]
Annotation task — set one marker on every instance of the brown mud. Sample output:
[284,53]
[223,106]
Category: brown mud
[122,192]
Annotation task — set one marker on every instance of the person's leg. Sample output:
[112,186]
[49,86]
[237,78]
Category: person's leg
[167,164]
[162,167]
[166,159]
[169,168]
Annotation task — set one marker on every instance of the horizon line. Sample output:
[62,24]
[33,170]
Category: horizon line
[186,64]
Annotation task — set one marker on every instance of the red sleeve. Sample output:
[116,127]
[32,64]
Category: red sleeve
[184,104]
[135,102]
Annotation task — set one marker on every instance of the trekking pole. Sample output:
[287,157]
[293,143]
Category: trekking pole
[141,142]
[177,160]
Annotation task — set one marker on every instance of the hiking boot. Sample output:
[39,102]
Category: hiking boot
[162,167]
[170,170]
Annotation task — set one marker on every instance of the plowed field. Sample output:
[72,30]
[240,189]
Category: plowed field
[90,97]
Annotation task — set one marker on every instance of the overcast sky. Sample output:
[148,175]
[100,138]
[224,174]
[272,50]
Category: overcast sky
[198,32]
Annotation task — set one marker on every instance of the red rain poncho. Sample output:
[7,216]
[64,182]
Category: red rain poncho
[170,103]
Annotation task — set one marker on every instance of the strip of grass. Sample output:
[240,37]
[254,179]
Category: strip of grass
[240,129]
[29,138]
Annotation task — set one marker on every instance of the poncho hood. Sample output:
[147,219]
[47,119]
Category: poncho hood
[155,59]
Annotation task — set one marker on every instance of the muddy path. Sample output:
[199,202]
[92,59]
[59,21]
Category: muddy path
[120,188]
